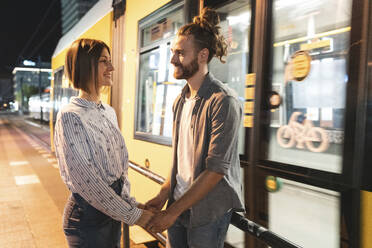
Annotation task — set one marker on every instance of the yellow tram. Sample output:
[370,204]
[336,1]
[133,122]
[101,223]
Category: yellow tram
[301,69]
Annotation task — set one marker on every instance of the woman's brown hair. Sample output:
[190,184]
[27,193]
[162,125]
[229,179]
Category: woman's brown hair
[206,33]
[81,65]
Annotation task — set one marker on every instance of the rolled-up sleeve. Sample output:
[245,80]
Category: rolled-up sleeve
[225,119]
[78,168]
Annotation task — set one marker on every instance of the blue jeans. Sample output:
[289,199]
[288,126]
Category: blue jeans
[211,235]
[86,227]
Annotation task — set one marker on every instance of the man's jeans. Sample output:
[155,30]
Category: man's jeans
[211,235]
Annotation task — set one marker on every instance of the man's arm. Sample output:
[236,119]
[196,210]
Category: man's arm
[205,182]
[225,122]
[157,203]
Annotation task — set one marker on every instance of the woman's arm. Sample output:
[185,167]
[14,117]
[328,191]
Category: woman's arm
[79,170]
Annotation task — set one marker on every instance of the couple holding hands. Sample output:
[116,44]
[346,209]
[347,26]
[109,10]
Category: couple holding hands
[204,186]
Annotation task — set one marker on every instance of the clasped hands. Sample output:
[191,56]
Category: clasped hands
[153,218]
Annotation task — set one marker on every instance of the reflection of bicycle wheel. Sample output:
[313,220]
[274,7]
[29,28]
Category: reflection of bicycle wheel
[317,140]
[285,136]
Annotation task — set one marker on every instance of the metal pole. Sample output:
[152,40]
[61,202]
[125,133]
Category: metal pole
[126,235]
[41,100]
[21,102]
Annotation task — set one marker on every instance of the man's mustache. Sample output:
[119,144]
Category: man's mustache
[179,65]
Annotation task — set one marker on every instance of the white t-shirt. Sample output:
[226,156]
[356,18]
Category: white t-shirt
[185,150]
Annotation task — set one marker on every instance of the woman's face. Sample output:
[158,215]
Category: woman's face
[105,69]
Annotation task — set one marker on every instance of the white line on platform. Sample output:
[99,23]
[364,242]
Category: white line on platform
[29,179]
[18,163]
[33,124]
[52,160]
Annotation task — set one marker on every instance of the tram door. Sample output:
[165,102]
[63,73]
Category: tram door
[299,172]
[289,62]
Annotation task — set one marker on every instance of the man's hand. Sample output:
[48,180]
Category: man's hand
[145,218]
[156,203]
[141,206]
[161,221]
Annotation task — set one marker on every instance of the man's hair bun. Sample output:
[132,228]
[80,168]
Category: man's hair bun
[209,20]
[206,32]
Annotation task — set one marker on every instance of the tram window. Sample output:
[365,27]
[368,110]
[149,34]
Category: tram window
[156,87]
[62,91]
[309,71]
[294,204]
[235,27]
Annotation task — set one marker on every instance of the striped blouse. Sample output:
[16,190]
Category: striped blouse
[91,154]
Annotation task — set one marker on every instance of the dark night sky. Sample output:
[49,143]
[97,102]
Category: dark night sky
[19,21]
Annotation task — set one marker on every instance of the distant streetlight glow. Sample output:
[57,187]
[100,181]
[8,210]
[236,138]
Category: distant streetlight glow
[29,63]
[30,69]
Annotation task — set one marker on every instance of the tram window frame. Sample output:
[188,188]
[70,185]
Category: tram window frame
[59,70]
[144,49]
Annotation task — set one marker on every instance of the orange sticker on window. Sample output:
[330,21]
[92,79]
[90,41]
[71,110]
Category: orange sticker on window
[301,64]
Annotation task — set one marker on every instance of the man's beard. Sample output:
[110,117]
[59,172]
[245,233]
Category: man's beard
[187,70]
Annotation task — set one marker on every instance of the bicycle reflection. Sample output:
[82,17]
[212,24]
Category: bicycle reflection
[302,134]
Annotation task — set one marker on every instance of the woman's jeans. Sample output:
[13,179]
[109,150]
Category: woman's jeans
[86,227]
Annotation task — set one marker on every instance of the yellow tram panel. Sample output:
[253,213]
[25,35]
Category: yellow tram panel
[160,156]
[366,216]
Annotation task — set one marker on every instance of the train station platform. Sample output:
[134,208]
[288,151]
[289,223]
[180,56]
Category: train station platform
[32,194]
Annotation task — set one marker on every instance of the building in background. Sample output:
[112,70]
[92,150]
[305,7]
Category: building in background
[72,11]
[31,82]
[6,91]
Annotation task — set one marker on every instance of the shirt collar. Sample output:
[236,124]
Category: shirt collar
[204,89]
[85,103]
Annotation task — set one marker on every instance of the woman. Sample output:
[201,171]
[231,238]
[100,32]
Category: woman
[92,155]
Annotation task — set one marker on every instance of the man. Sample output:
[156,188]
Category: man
[204,186]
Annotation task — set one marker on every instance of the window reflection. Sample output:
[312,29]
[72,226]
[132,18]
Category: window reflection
[157,88]
[235,26]
[320,210]
[62,92]
[307,129]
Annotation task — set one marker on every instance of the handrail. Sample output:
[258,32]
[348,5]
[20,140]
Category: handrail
[258,231]
[156,178]
[146,172]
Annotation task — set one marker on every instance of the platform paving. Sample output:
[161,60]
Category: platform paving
[32,194]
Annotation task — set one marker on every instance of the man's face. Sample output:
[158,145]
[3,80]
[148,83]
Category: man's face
[184,58]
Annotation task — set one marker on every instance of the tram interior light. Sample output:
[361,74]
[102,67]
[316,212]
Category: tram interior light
[153,62]
[162,63]
[314,4]
[243,18]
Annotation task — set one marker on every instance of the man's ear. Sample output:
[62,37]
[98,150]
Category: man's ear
[203,55]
